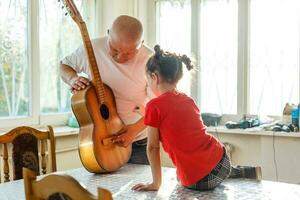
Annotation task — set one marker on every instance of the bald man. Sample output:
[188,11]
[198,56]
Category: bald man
[121,58]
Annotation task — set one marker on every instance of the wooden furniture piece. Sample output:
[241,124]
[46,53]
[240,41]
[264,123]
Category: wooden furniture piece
[95,110]
[54,184]
[29,148]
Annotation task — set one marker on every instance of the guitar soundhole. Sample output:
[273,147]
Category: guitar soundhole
[104,111]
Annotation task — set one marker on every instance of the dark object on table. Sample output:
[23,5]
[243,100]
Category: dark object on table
[243,124]
[276,128]
[232,125]
[249,123]
[293,128]
[281,127]
[211,119]
[285,128]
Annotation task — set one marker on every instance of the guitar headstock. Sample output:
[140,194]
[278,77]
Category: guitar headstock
[71,8]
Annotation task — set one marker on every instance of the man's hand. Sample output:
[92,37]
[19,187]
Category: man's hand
[146,187]
[78,83]
[126,136]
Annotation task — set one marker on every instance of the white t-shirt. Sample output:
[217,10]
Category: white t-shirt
[127,80]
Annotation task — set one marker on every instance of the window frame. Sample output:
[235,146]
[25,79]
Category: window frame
[243,54]
[35,116]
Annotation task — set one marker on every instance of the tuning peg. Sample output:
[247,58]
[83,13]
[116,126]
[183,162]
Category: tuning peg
[62,7]
[66,14]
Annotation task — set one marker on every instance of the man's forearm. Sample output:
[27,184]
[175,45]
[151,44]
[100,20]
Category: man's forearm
[67,73]
[139,126]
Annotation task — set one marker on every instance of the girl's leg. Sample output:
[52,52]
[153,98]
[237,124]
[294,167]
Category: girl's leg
[246,172]
[242,171]
[216,177]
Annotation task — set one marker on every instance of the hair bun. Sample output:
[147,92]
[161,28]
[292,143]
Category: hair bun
[187,61]
[158,51]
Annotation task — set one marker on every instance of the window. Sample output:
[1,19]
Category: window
[59,36]
[218,56]
[274,55]
[248,52]
[30,51]
[174,32]
[14,62]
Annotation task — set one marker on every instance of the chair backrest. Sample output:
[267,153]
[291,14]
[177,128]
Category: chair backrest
[29,148]
[53,184]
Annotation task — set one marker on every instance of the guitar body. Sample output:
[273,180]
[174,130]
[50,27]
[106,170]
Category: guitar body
[98,122]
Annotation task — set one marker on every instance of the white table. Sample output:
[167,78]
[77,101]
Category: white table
[120,183]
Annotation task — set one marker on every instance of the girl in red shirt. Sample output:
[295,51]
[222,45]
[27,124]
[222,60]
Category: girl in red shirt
[174,119]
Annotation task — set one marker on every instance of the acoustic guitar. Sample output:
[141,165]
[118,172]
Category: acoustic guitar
[95,110]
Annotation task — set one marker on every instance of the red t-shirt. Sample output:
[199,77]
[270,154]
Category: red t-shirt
[182,133]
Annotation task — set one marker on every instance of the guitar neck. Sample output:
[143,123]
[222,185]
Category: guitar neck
[96,78]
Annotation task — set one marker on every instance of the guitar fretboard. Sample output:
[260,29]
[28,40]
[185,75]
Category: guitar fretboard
[96,78]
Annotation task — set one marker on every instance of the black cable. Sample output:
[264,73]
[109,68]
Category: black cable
[274,156]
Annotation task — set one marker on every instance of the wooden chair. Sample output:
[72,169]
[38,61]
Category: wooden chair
[25,144]
[58,184]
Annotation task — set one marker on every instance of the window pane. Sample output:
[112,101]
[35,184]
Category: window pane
[174,32]
[14,69]
[274,55]
[218,56]
[59,36]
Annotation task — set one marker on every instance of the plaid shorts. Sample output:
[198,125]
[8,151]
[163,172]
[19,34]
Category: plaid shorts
[216,176]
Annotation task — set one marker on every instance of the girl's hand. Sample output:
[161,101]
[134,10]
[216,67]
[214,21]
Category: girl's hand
[146,187]
[126,136]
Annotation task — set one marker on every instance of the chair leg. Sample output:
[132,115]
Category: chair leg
[104,194]
[29,176]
